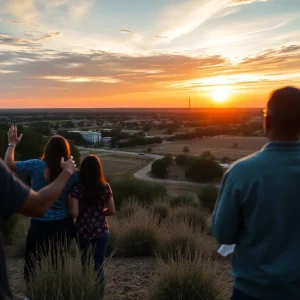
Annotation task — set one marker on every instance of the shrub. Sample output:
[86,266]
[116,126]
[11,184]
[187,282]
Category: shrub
[186,149]
[64,280]
[194,217]
[183,200]
[7,227]
[187,278]
[168,159]
[182,159]
[159,168]
[207,197]
[19,237]
[176,237]
[160,210]
[207,155]
[129,207]
[144,191]
[203,170]
[138,235]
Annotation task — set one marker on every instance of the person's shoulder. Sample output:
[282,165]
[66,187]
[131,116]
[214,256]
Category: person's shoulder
[108,189]
[247,164]
[75,178]
[31,165]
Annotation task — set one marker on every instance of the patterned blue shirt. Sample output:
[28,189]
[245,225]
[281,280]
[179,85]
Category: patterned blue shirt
[35,169]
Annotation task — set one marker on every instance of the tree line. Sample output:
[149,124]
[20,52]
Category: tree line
[202,169]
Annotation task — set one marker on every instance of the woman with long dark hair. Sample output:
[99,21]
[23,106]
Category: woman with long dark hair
[90,202]
[56,229]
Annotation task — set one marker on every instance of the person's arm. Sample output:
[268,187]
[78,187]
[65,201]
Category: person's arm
[73,207]
[17,197]
[13,141]
[227,215]
[110,210]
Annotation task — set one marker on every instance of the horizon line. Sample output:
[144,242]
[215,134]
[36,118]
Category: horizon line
[124,108]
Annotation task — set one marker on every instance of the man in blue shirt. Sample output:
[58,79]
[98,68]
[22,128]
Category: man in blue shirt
[259,208]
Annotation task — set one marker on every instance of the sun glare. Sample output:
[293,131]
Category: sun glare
[220,94]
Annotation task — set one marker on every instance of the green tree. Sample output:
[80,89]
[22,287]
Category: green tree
[31,146]
[203,170]
[76,155]
[207,155]
[225,160]
[159,168]
[186,149]
[168,158]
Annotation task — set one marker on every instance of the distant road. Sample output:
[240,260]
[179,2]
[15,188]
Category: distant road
[143,174]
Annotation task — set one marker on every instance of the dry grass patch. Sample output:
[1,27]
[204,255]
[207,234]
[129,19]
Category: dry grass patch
[188,277]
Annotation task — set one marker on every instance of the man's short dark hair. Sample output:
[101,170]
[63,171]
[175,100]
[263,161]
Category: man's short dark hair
[284,110]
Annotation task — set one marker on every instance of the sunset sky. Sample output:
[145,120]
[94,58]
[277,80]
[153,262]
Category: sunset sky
[146,53]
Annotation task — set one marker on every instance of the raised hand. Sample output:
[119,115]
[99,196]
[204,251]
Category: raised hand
[13,137]
[68,165]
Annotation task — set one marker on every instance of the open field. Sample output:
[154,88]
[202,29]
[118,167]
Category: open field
[117,164]
[218,146]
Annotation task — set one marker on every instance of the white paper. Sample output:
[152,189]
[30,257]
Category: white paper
[225,250]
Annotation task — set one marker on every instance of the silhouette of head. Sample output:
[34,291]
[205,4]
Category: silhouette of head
[93,180]
[282,115]
[56,148]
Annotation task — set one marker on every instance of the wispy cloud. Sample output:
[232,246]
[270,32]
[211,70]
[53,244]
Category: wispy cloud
[16,22]
[185,17]
[196,13]
[161,36]
[76,79]
[7,71]
[126,31]
[51,35]
[240,2]
[80,9]
[25,9]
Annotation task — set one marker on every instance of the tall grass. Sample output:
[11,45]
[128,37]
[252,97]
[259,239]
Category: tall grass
[138,235]
[187,278]
[184,200]
[64,280]
[176,237]
[196,218]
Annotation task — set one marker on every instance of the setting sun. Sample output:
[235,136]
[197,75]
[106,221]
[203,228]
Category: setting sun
[220,94]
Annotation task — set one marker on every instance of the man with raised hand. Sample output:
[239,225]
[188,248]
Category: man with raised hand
[259,208]
[16,197]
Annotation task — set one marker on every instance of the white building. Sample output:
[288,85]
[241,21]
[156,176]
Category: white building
[90,136]
[106,140]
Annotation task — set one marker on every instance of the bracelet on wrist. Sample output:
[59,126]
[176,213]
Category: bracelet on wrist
[11,145]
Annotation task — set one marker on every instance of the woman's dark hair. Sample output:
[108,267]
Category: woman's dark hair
[92,180]
[56,148]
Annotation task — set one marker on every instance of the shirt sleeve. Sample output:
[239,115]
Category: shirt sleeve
[74,193]
[27,167]
[13,193]
[227,215]
[109,191]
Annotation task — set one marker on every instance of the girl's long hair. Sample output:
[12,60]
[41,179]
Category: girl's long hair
[56,148]
[93,180]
